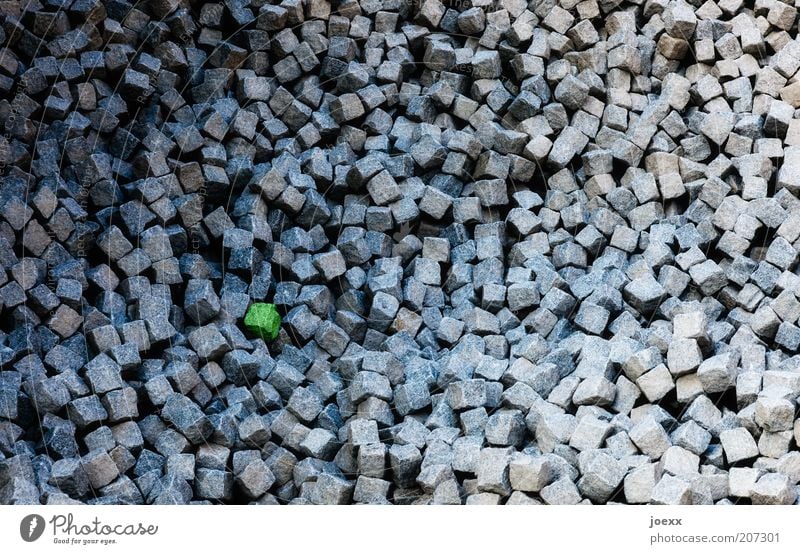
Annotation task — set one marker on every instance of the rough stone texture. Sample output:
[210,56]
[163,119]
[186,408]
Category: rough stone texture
[382,252]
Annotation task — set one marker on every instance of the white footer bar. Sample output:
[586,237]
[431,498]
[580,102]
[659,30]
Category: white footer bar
[388,529]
